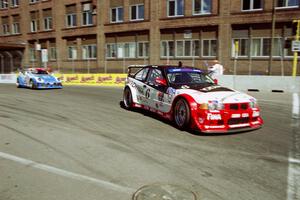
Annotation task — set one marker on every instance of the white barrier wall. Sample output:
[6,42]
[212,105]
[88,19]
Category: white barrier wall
[8,78]
[261,83]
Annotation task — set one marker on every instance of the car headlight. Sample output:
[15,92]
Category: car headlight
[253,103]
[212,105]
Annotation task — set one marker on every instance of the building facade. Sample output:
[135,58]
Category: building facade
[108,35]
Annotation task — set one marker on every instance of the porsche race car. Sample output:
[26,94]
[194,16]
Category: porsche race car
[37,78]
[190,98]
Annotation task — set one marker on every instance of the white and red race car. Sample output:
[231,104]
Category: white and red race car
[191,99]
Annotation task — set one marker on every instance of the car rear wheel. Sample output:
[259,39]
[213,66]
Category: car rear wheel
[182,114]
[127,98]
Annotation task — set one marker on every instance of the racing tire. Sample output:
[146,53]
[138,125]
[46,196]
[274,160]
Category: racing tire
[32,85]
[127,99]
[182,114]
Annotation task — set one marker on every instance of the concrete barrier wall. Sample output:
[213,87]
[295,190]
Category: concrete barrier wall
[261,83]
[8,78]
[244,83]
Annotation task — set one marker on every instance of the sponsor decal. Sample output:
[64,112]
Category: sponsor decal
[211,116]
[160,96]
[171,90]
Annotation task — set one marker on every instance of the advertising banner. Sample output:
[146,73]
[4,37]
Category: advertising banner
[93,79]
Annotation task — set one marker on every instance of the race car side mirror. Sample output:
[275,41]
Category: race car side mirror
[161,81]
[216,81]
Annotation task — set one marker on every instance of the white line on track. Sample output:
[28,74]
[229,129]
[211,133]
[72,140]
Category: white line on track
[64,173]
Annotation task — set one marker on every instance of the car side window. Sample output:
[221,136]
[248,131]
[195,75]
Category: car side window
[142,75]
[155,73]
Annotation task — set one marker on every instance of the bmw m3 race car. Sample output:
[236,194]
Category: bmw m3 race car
[37,78]
[191,99]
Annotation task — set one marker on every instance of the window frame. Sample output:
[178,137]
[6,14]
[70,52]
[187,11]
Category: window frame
[93,51]
[117,14]
[48,23]
[175,9]
[14,3]
[89,16]
[168,47]
[5,29]
[108,53]
[137,12]
[233,47]
[33,23]
[72,17]
[201,12]
[286,5]
[51,57]
[4,4]
[76,55]
[210,48]
[251,9]
[144,49]
[14,25]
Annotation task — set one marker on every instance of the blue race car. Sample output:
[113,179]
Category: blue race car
[37,78]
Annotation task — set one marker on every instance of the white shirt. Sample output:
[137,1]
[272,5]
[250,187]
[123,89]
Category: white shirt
[216,69]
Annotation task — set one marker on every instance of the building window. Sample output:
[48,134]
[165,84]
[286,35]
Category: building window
[287,3]
[48,23]
[126,50]
[137,12]
[87,18]
[143,49]
[15,3]
[71,20]
[89,51]
[288,47]
[33,26]
[53,54]
[5,28]
[15,28]
[33,1]
[111,51]
[167,49]
[32,55]
[72,52]
[243,47]
[201,7]
[209,48]
[187,48]
[3,4]
[249,5]
[175,8]
[116,15]
[261,47]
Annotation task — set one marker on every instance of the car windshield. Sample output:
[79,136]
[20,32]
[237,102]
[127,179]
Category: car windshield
[39,72]
[187,76]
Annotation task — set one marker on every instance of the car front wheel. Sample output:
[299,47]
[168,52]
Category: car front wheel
[182,113]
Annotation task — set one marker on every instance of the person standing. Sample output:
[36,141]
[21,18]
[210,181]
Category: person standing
[216,69]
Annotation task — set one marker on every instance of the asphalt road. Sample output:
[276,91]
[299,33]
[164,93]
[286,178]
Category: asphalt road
[79,144]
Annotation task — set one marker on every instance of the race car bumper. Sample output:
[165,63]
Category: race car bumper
[227,121]
[49,86]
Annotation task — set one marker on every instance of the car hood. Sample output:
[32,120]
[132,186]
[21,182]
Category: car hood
[216,93]
[46,78]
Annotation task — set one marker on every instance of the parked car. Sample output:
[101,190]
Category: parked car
[37,78]
[190,98]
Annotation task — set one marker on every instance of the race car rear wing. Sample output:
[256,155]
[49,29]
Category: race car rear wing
[133,69]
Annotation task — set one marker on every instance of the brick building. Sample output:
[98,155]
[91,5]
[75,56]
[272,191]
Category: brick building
[108,35]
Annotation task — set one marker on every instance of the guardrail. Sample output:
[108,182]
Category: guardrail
[239,82]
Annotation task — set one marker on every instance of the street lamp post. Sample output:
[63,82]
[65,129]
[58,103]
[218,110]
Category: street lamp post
[272,37]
